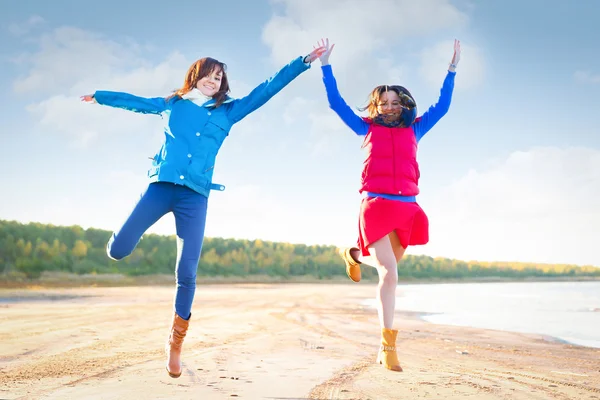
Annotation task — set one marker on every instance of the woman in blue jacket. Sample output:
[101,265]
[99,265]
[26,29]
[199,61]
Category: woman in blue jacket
[197,119]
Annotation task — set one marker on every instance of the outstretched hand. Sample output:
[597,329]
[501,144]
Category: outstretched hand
[313,55]
[456,56]
[88,98]
[324,44]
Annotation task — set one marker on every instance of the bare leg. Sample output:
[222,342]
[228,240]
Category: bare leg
[398,249]
[369,260]
[385,255]
[383,258]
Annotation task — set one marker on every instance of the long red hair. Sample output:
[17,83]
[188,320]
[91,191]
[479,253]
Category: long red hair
[198,70]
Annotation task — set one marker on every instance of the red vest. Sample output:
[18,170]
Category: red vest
[390,165]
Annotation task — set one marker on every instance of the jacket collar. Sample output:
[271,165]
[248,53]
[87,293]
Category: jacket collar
[198,98]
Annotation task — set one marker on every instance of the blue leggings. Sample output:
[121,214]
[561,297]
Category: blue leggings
[189,208]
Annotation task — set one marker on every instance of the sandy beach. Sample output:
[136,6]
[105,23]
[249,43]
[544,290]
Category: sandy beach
[266,341]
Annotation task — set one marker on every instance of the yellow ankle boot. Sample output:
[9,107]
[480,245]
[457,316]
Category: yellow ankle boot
[179,329]
[387,352]
[352,266]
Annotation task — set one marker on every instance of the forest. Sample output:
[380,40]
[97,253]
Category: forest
[28,250]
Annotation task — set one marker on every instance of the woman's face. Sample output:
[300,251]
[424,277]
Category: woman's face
[389,103]
[210,84]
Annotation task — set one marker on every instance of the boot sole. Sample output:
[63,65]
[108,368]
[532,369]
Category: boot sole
[391,369]
[349,276]
[380,361]
[171,374]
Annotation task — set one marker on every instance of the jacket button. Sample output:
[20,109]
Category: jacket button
[400,192]
[208,113]
[189,156]
[181,176]
[197,133]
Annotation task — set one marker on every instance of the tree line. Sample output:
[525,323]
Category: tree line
[28,250]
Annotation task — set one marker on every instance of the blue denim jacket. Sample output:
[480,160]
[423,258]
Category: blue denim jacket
[194,133]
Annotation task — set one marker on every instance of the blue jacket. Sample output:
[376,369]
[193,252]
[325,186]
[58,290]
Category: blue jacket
[194,134]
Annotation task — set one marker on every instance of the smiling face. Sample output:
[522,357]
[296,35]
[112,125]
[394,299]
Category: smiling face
[389,103]
[389,99]
[209,76]
[210,84]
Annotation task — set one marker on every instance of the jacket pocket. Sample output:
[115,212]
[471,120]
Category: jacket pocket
[217,128]
[197,173]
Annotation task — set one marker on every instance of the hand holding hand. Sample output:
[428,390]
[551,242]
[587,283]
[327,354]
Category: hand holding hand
[313,55]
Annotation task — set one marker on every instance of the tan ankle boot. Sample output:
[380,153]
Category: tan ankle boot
[352,266]
[173,349]
[387,352]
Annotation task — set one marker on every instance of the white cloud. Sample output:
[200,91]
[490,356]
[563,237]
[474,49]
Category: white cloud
[586,77]
[67,55]
[22,28]
[84,123]
[365,53]
[369,40]
[80,62]
[305,21]
[72,62]
[435,60]
[539,205]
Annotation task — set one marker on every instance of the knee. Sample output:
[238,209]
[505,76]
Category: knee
[116,251]
[186,274]
[186,281]
[388,274]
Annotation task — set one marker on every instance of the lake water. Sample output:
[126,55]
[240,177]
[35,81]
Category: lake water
[569,311]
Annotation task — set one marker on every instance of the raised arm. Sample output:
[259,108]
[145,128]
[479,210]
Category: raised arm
[240,108]
[336,102]
[127,101]
[424,123]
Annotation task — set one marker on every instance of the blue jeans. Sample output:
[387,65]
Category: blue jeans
[189,208]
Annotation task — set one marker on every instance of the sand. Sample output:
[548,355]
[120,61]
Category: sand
[267,341]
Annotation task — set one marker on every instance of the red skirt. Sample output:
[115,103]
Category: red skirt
[379,217]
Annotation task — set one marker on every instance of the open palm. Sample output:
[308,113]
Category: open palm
[456,56]
[324,43]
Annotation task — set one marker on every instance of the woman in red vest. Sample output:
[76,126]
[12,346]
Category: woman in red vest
[390,218]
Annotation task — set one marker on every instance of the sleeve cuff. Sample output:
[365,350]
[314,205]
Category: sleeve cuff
[306,63]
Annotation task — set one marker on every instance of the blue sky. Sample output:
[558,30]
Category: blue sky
[511,173]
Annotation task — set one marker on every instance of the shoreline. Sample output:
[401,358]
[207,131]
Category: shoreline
[66,280]
[547,337]
[420,316]
[269,341]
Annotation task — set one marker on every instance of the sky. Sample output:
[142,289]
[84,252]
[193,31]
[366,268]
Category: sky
[511,173]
